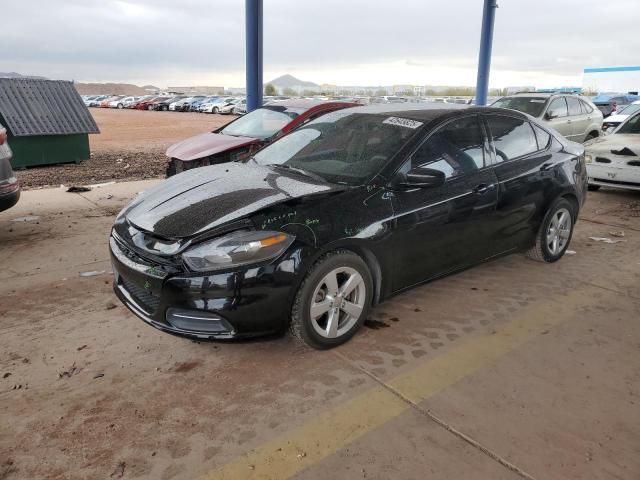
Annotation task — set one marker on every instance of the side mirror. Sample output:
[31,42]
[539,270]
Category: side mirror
[422,177]
[550,115]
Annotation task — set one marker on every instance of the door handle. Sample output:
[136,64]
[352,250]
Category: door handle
[482,188]
[568,121]
[546,166]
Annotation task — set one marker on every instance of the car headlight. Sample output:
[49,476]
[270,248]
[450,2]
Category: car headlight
[588,158]
[238,248]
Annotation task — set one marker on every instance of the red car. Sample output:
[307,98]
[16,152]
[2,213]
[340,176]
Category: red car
[247,134]
[144,104]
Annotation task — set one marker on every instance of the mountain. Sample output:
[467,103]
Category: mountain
[289,81]
[112,89]
[19,75]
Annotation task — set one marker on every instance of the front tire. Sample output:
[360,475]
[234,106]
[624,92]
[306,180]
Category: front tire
[333,301]
[593,188]
[215,110]
[555,232]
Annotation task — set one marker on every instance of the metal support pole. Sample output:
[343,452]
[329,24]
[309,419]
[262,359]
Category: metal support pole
[253,14]
[486,42]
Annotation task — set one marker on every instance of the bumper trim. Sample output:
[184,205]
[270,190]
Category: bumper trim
[619,185]
[131,304]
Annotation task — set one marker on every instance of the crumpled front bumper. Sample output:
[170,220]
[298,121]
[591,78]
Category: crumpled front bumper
[246,302]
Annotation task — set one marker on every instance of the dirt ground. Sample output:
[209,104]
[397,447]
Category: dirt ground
[130,146]
[511,370]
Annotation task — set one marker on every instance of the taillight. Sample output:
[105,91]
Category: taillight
[3,136]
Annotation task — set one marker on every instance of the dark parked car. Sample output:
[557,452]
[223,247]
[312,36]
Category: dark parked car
[246,135]
[162,104]
[9,187]
[342,213]
[609,104]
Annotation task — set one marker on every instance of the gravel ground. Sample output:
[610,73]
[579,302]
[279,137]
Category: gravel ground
[102,167]
[130,146]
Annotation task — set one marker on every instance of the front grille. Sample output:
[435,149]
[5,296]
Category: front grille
[146,300]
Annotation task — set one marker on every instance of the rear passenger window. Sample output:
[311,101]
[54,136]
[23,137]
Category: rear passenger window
[558,108]
[574,106]
[543,137]
[586,107]
[455,149]
[512,137]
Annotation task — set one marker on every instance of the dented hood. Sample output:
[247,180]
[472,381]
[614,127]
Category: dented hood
[204,198]
[206,144]
[614,142]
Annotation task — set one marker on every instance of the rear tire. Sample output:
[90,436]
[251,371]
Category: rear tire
[555,232]
[591,136]
[333,300]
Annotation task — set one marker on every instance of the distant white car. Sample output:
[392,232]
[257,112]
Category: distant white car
[240,108]
[614,160]
[214,107]
[228,108]
[612,121]
[122,102]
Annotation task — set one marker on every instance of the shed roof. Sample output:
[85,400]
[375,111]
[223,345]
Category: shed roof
[43,107]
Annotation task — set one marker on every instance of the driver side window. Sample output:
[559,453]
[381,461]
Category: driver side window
[455,149]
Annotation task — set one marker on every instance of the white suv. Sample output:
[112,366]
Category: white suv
[573,116]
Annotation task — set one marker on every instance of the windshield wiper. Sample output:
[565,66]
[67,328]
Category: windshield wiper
[298,170]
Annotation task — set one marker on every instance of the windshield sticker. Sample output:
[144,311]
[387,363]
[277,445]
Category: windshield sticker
[403,122]
[534,100]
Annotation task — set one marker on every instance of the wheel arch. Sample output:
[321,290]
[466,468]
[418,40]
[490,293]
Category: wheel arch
[362,251]
[572,197]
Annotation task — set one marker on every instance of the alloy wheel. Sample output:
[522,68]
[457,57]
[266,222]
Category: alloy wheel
[559,231]
[338,302]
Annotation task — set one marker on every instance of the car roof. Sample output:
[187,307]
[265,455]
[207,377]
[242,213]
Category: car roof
[543,94]
[305,103]
[431,111]
[418,111]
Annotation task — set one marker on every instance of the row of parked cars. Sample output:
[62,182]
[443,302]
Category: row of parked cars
[237,105]
[179,103]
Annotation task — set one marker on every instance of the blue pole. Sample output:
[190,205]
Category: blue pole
[254,53]
[486,42]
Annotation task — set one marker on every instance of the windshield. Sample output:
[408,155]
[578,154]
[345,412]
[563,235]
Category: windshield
[534,106]
[632,125]
[261,123]
[342,147]
[630,109]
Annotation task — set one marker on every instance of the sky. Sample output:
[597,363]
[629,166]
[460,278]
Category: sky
[344,42]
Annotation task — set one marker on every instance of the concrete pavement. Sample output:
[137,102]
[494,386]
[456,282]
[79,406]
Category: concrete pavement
[510,370]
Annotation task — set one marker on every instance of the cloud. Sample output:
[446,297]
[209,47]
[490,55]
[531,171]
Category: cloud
[196,41]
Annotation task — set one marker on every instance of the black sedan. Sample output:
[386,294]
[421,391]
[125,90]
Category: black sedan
[342,213]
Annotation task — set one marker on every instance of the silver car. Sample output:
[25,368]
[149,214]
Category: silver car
[573,116]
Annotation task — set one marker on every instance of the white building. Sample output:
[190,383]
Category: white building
[612,79]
